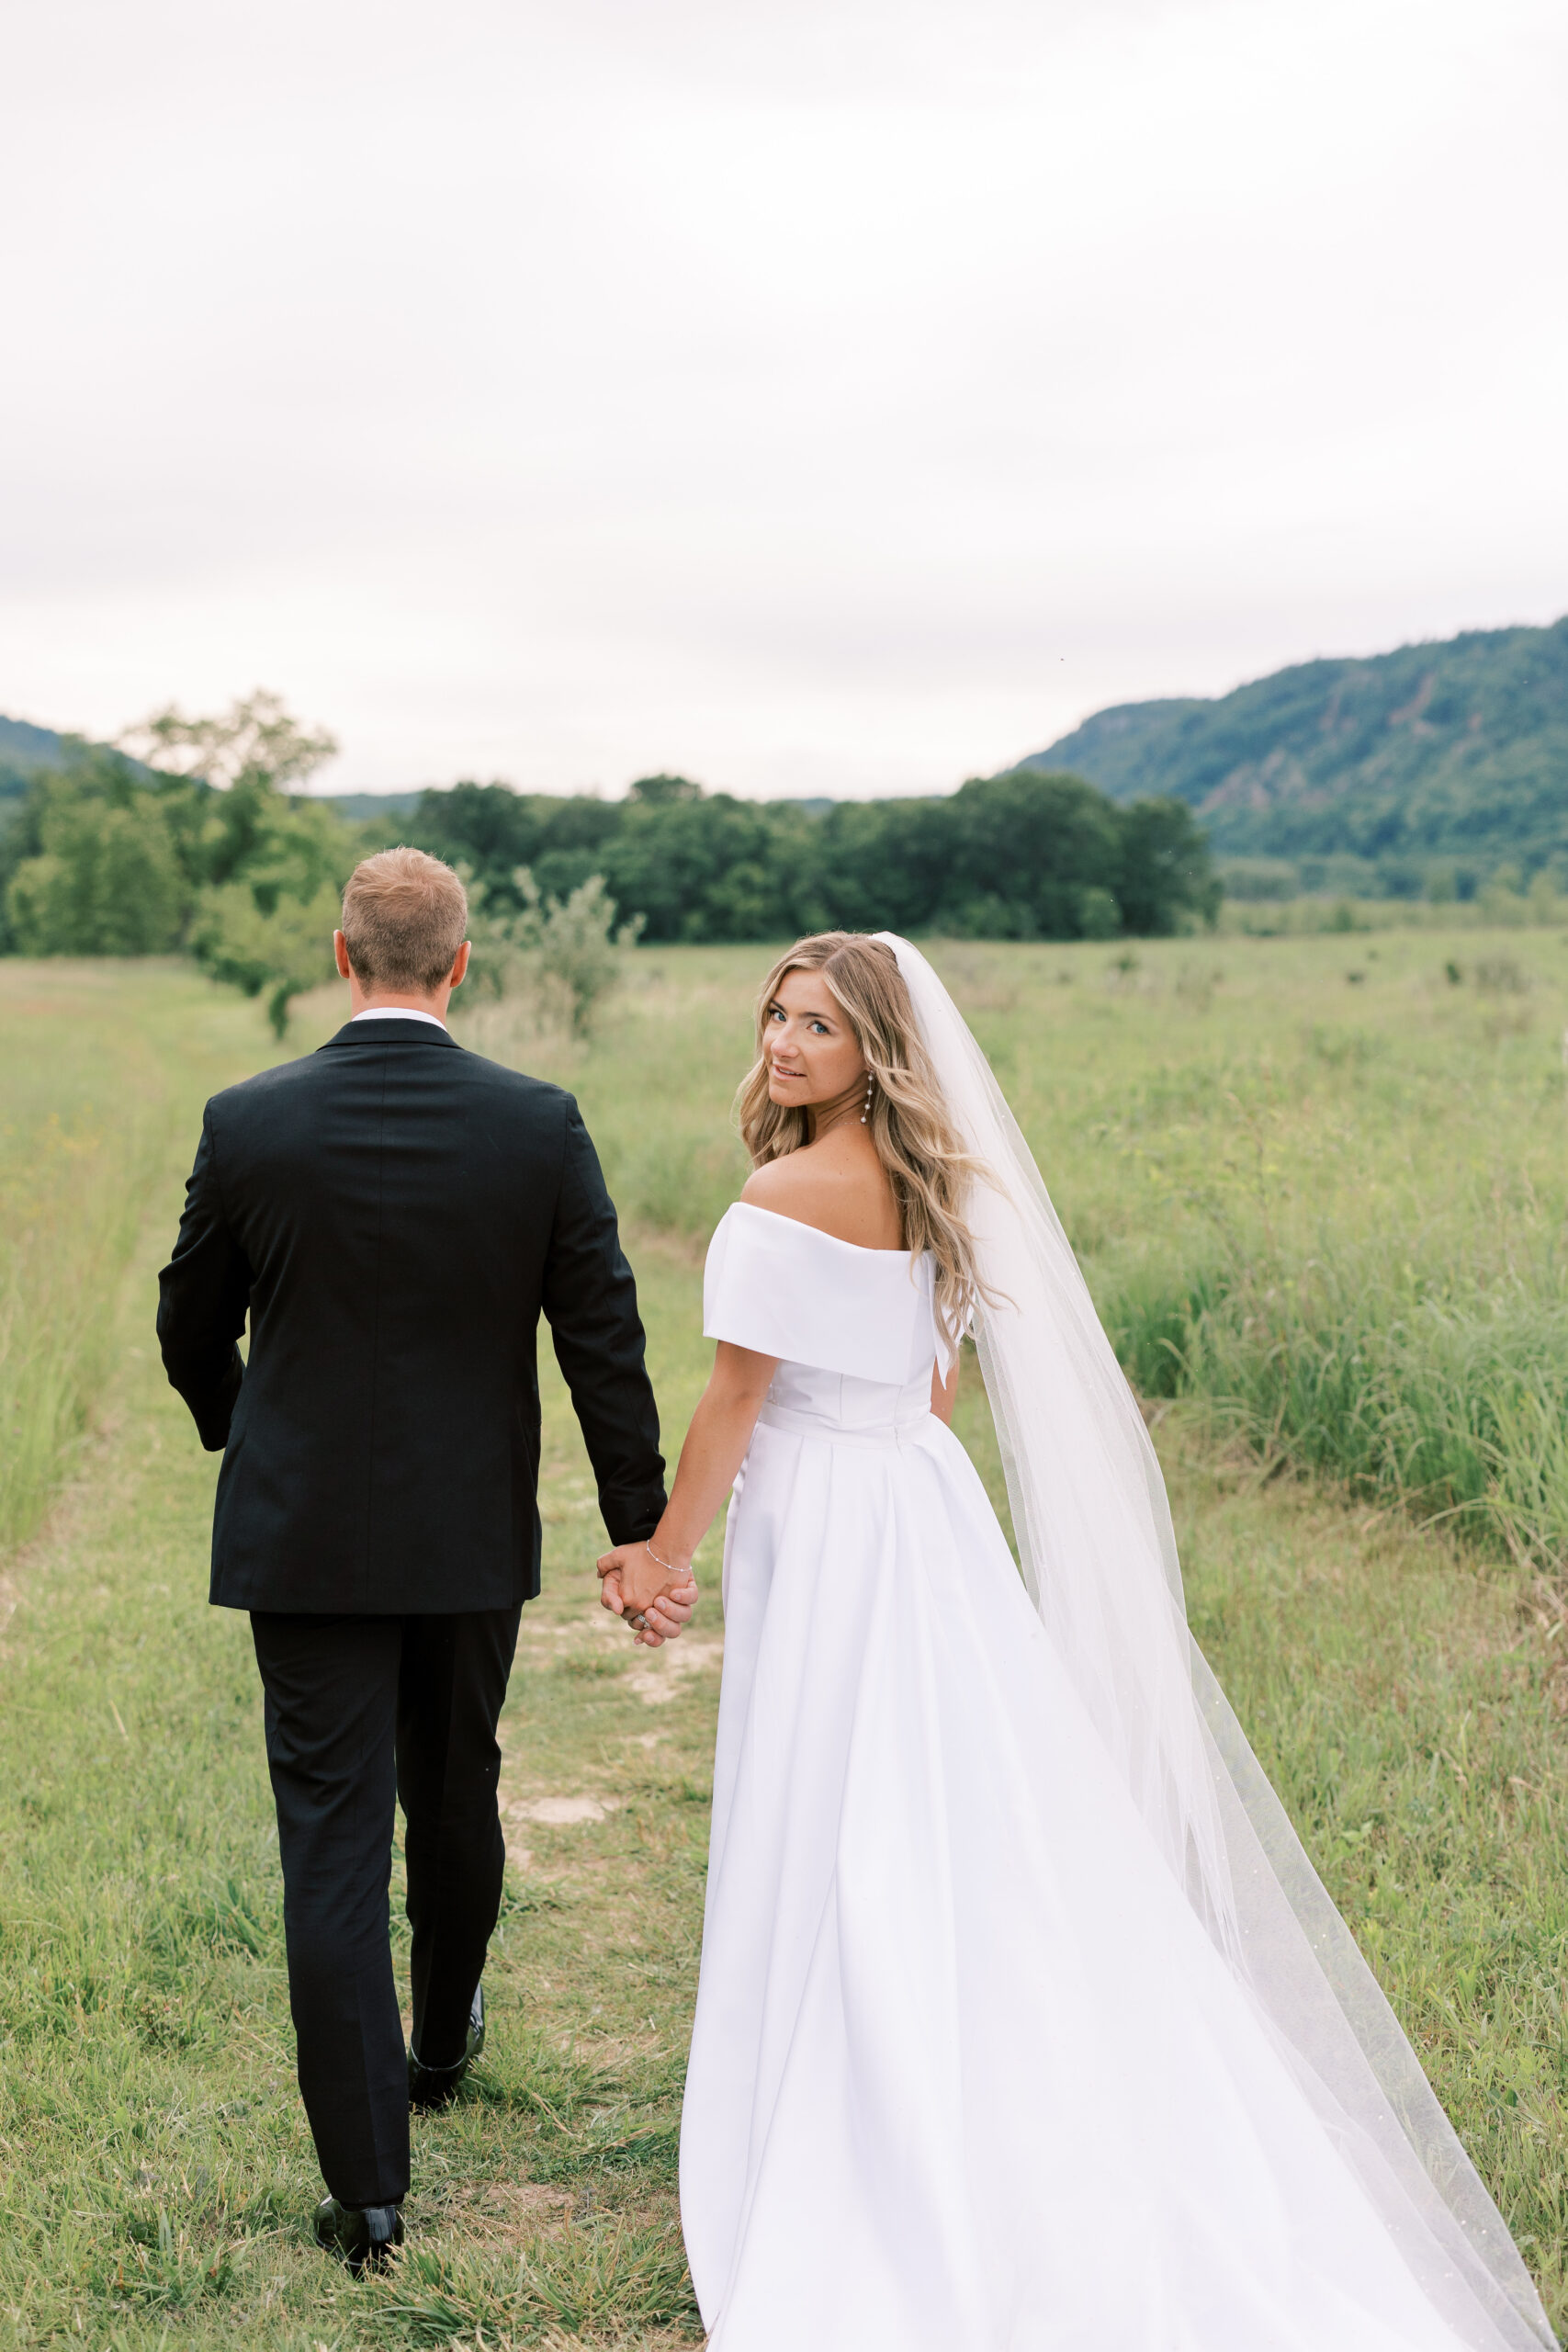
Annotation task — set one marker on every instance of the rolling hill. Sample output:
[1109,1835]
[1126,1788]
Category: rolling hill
[23,747]
[1451,752]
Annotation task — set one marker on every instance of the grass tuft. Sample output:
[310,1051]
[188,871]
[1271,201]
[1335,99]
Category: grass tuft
[607,2275]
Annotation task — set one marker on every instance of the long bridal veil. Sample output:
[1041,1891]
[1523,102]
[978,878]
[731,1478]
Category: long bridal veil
[1098,1553]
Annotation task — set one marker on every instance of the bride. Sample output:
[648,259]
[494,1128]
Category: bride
[1024,2024]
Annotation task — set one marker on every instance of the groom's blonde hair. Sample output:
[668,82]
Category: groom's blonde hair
[928,1167]
[404,917]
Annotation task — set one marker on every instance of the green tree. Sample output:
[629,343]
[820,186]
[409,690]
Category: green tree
[699,869]
[1099,917]
[269,922]
[1165,875]
[271,867]
[254,740]
[662,791]
[104,881]
[492,831]
[1027,848]
[284,952]
[883,864]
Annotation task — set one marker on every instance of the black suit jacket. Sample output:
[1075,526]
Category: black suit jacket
[394,1213]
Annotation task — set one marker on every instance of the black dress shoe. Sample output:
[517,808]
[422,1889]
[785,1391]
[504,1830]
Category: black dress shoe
[363,2236]
[431,2086]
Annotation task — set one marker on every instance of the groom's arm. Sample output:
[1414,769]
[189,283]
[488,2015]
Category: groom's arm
[203,1293]
[590,1300]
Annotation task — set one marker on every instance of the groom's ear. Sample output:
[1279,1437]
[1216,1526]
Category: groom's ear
[460,967]
[340,950]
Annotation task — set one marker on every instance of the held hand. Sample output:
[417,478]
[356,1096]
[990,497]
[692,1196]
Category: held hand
[642,1577]
[665,1616]
[672,1610]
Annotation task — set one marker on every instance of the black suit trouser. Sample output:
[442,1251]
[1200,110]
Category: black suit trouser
[361,1710]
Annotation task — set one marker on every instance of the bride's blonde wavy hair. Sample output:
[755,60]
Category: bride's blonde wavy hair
[928,1168]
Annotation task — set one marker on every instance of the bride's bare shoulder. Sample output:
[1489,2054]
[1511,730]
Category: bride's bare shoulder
[841,1194]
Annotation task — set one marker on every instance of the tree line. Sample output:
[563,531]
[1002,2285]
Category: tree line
[193,836]
[1022,855]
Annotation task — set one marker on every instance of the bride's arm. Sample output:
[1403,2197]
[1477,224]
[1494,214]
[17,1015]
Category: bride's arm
[944,1392]
[715,1449]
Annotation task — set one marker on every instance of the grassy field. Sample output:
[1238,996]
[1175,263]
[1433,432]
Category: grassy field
[1324,1212]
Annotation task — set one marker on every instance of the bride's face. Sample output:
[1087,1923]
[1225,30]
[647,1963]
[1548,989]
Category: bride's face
[809,1045]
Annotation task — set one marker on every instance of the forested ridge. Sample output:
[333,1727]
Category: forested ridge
[1454,752]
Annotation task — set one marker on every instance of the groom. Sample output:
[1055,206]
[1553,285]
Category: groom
[394,1213]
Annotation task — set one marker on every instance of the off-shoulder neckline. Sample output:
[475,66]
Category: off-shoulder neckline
[860,1248]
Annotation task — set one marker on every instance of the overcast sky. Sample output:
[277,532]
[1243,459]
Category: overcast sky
[808,395]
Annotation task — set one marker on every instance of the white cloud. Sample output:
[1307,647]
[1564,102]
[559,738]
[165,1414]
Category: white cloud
[829,396]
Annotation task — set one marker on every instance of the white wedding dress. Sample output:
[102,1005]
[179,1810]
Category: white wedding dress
[972,2069]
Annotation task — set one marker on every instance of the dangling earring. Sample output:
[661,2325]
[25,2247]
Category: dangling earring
[870,1083]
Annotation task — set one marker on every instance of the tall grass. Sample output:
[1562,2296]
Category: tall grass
[102,1070]
[85,1097]
[1448,1405]
[65,1220]
[1347,1233]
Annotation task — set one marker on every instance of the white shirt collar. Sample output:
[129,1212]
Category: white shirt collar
[396,1012]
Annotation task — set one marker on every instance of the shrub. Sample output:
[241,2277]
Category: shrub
[567,953]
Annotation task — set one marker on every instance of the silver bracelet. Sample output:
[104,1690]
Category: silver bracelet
[668,1566]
